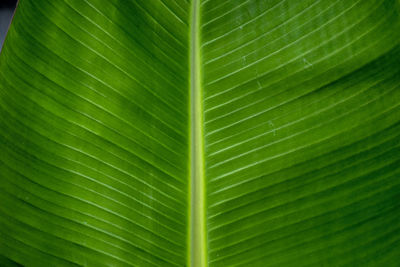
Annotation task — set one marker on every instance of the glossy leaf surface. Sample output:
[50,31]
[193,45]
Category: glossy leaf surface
[203,132]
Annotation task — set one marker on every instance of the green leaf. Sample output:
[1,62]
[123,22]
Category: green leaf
[201,133]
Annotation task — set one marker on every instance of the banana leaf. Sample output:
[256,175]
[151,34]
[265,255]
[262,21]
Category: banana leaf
[200,133]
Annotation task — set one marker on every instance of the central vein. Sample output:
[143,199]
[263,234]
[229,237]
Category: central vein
[197,236]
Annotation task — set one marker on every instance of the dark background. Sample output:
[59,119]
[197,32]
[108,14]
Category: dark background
[6,11]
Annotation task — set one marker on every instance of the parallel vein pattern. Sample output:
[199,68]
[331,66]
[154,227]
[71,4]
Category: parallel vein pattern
[299,111]
[302,123]
[94,137]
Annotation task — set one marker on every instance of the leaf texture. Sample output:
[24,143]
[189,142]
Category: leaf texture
[298,113]
[302,113]
[94,134]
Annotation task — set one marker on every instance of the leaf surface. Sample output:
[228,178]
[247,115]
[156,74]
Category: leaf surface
[202,133]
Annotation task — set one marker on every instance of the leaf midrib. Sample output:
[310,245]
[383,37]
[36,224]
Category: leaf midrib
[197,255]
